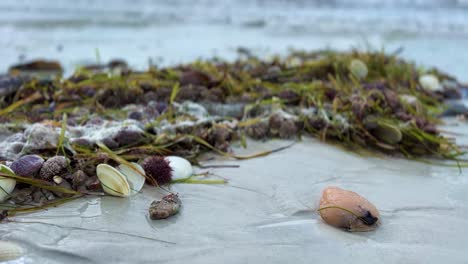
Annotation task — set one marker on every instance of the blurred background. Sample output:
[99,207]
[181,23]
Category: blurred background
[431,32]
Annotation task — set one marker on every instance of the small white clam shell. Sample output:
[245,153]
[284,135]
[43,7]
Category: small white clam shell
[181,168]
[113,181]
[135,180]
[10,251]
[430,82]
[7,185]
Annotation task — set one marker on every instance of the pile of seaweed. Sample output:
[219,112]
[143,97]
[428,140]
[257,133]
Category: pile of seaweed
[362,101]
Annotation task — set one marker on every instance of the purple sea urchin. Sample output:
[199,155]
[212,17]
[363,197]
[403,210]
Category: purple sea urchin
[158,168]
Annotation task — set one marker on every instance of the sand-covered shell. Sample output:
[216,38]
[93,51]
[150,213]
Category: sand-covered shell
[430,82]
[135,179]
[181,168]
[6,185]
[113,181]
[27,166]
[348,210]
[358,68]
[10,251]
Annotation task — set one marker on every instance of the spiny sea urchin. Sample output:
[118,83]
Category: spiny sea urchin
[158,168]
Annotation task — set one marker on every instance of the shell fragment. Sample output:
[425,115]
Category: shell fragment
[135,179]
[6,185]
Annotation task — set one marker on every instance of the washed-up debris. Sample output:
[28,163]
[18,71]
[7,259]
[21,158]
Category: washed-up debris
[86,134]
[167,207]
[348,210]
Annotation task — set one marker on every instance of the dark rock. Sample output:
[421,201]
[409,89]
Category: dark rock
[93,184]
[127,137]
[79,178]
[66,185]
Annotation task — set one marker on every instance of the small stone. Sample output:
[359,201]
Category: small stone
[168,206]
[66,185]
[38,197]
[93,184]
[48,194]
[22,196]
[53,167]
[27,166]
[79,178]
[258,130]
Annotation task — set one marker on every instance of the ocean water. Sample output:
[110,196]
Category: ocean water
[432,32]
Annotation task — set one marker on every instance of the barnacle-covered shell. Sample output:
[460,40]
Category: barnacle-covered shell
[113,181]
[27,166]
[10,251]
[53,167]
[348,210]
[135,180]
[6,185]
[181,168]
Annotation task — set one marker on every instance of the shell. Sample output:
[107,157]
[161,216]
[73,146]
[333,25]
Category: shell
[10,251]
[358,69]
[430,82]
[337,204]
[58,179]
[135,180]
[53,167]
[389,134]
[6,185]
[181,168]
[162,209]
[27,166]
[113,181]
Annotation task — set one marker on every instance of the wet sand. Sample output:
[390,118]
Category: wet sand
[266,213]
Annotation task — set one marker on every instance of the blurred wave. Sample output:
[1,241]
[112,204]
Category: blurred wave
[432,32]
[403,17]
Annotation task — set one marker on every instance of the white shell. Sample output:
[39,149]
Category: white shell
[113,181]
[181,168]
[7,185]
[57,179]
[430,82]
[358,68]
[135,180]
[10,251]
[409,99]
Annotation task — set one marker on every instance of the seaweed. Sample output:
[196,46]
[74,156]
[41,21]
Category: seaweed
[370,103]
